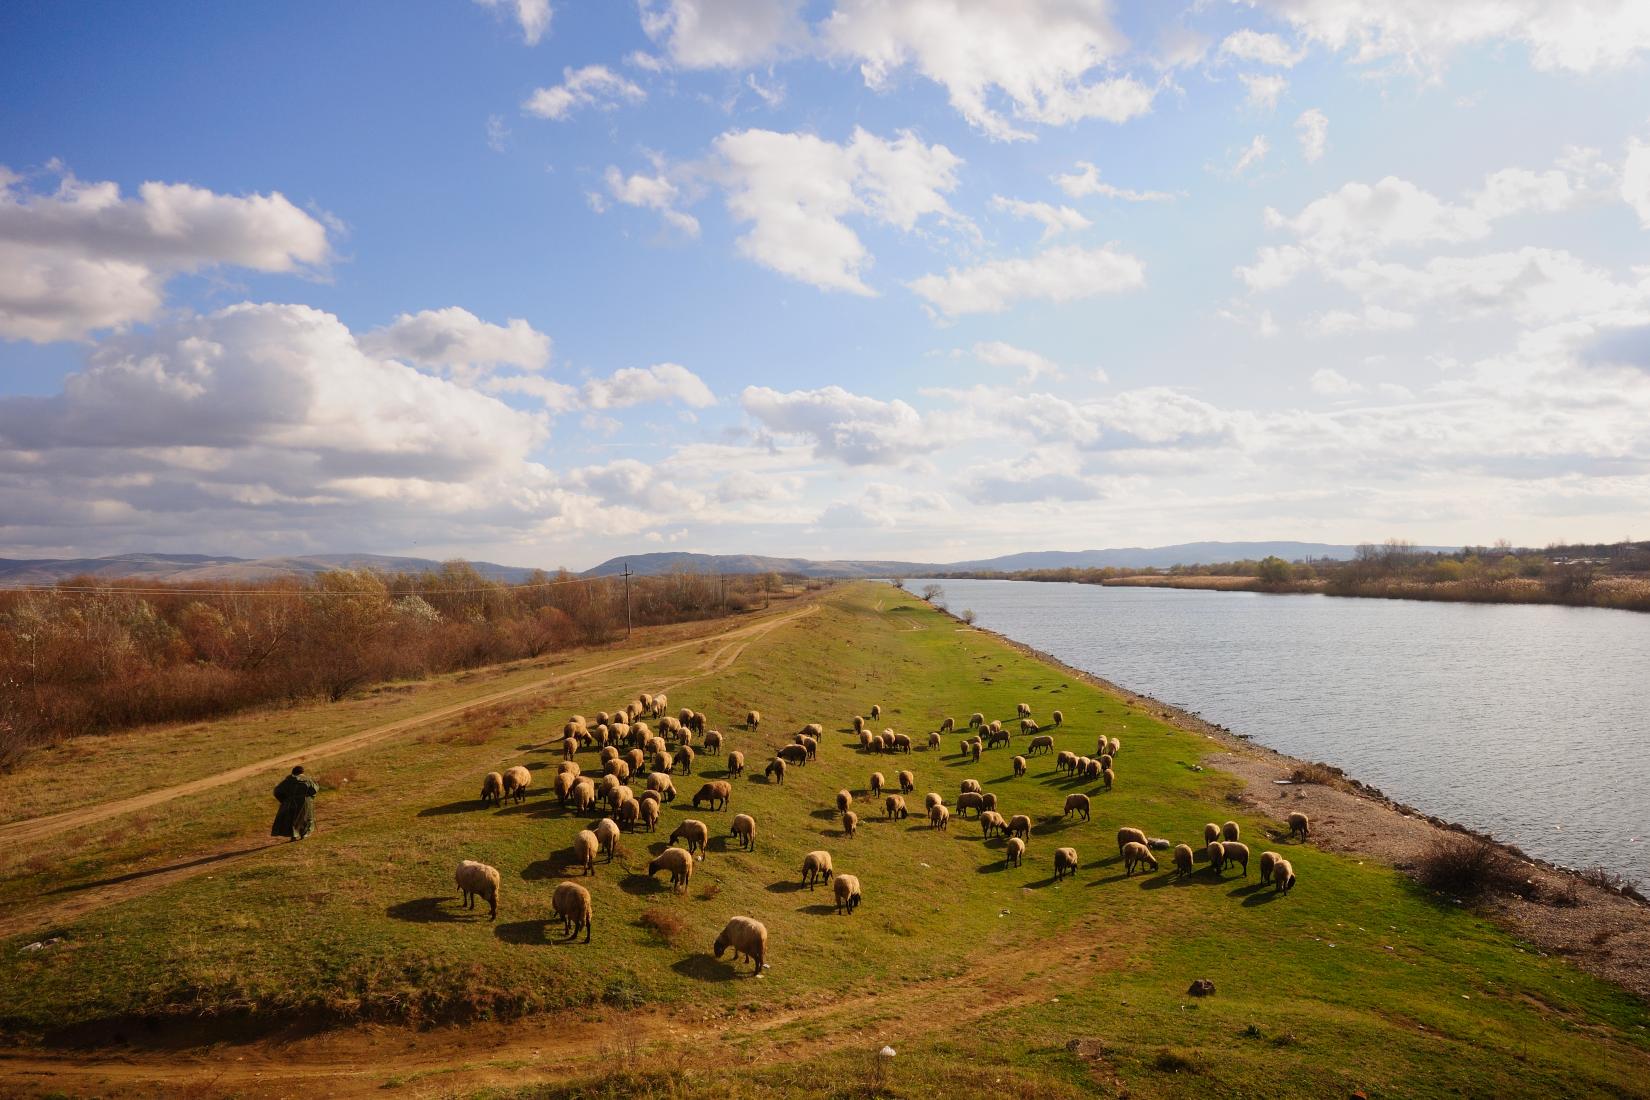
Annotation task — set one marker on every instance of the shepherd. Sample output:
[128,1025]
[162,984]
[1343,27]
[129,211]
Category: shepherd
[296,817]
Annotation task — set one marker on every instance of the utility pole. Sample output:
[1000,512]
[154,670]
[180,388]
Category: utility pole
[627,599]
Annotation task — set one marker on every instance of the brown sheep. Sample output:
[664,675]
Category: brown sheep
[1019,766]
[816,868]
[1183,859]
[775,771]
[935,742]
[585,847]
[744,827]
[846,888]
[1014,852]
[716,792]
[1020,825]
[736,763]
[932,799]
[694,835]
[747,937]
[1059,719]
[991,822]
[1237,853]
[850,823]
[1229,831]
[948,725]
[630,812]
[988,801]
[907,782]
[1216,851]
[477,880]
[970,785]
[1126,834]
[1268,860]
[893,806]
[1299,825]
[492,789]
[1135,854]
[1024,710]
[1283,876]
[793,754]
[844,799]
[876,784]
[713,742]
[1211,833]
[663,784]
[678,861]
[1108,776]
[1077,804]
[516,782]
[939,817]
[1065,862]
[970,800]
[571,902]
[976,719]
[607,834]
[753,719]
[684,757]
[1042,743]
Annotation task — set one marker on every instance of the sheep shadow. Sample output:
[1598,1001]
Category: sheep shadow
[1041,883]
[431,911]
[541,869]
[921,826]
[785,886]
[1247,889]
[524,932]
[1171,877]
[817,910]
[823,815]
[994,868]
[1120,876]
[641,886]
[1054,825]
[705,968]
[1262,897]
[468,805]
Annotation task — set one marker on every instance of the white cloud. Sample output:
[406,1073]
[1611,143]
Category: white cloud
[498,134]
[1635,180]
[1263,49]
[1033,55]
[1263,89]
[1087,181]
[1060,274]
[1536,285]
[454,338]
[657,192]
[1031,365]
[1332,383]
[1578,35]
[1275,267]
[640,385]
[796,189]
[849,427]
[1312,127]
[1252,155]
[1339,322]
[629,483]
[724,34]
[591,86]
[84,257]
[532,15]
[1055,219]
[882,504]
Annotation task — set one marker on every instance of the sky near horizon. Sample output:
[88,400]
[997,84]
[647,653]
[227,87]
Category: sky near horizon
[546,282]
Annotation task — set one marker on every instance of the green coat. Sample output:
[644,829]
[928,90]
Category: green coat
[296,817]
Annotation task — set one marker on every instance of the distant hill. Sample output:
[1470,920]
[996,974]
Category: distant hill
[223,569]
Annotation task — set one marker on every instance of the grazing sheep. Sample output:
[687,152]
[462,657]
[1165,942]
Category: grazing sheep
[1105,761]
[939,817]
[935,742]
[607,835]
[859,723]
[663,784]
[477,880]
[570,767]
[584,795]
[1126,834]
[1065,862]
[816,868]
[1283,876]
[492,789]
[1216,851]
[747,937]
[948,725]
[753,719]
[516,782]
[1113,746]
[1268,860]
[1211,832]
[678,861]
[1077,804]
[636,758]
[876,784]
[1101,746]
[569,747]
[775,771]
[1229,831]
[969,800]
[793,754]
[876,710]
[1014,852]
[585,847]
[996,727]
[1024,710]
[1019,766]
[991,822]
[846,888]
[713,742]
[907,782]
[716,792]
[630,812]
[1300,825]
[1029,725]
[608,753]
[684,757]
[976,719]
[736,763]
[974,749]
[1042,743]
[1059,719]
[850,823]
[602,717]
[813,729]
[607,787]
[619,770]
[1134,854]
[1183,859]
[1020,825]
[698,723]
[564,786]
[664,762]
[671,726]
[865,741]
[1238,854]
[571,902]
[744,827]
[694,835]
[988,801]
[902,742]
[644,700]
[1064,762]
[893,806]
[811,745]
[970,785]
[1109,776]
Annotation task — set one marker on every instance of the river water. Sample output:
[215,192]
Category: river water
[1529,723]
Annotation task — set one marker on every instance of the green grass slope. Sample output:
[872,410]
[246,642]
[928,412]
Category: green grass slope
[974,971]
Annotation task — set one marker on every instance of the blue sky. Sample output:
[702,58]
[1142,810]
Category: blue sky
[543,283]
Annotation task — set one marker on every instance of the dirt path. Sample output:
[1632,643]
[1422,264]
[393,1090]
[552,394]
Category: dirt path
[38,828]
[77,901]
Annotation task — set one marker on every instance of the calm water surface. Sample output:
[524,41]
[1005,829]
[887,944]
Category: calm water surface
[1529,723]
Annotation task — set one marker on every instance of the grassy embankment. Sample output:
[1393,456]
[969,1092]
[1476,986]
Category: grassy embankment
[973,970]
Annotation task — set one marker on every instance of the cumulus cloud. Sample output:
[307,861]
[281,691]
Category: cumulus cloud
[849,427]
[454,338]
[882,504]
[795,190]
[1086,181]
[1253,154]
[1332,383]
[1033,478]
[1033,57]
[656,192]
[1060,274]
[1635,180]
[532,15]
[1339,322]
[84,257]
[1031,365]
[1055,219]
[591,86]
[1312,128]
[1579,36]
[643,385]
[724,34]
[1263,49]
[1262,89]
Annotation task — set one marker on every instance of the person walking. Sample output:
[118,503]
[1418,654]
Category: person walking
[296,794]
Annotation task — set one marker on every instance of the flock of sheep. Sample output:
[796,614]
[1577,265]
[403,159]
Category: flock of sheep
[629,750]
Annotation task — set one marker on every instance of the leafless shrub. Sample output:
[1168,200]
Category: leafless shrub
[1469,867]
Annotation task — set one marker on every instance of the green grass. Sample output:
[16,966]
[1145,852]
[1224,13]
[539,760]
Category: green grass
[1357,979]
